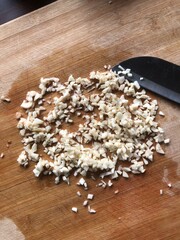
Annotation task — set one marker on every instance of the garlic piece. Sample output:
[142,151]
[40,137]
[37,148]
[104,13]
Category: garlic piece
[85,203]
[161,192]
[116,191]
[91,210]
[78,193]
[18,115]
[125,175]
[110,183]
[169,185]
[26,105]
[159,149]
[167,140]
[161,113]
[5,99]
[22,159]
[90,196]
[74,209]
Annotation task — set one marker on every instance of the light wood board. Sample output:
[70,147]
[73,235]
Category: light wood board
[76,37]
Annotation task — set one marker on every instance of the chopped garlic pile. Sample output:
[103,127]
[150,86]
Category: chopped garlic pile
[119,126]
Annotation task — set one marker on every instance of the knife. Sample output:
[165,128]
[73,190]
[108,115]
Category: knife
[155,74]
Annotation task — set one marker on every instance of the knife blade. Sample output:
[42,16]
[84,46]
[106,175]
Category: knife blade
[157,75]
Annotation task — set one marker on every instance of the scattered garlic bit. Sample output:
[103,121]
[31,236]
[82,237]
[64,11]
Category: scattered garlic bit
[161,192]
[91,210]
[169,185]
[118,128]
[78,193]
[74,209]
[8,144]
[2,155]
[90,196]
[83,183]
[5,99]
[116,192]
[141,78]
[109,183]
[104,184]
[159,149]
[167,140]
[110,2]
[18,115]
[161,113]
[85,203]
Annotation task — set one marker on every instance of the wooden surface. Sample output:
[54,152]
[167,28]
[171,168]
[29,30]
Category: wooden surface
[75,37]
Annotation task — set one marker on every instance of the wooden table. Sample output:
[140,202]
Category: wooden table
[75,37]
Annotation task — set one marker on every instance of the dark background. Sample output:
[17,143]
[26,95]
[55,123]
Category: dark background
[11,9]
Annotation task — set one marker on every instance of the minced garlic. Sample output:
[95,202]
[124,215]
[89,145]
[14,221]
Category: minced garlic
[119,126]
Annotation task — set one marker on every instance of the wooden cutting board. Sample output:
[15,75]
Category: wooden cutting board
[76,37]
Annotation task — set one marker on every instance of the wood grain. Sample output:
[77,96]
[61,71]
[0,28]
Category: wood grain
[75,37]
